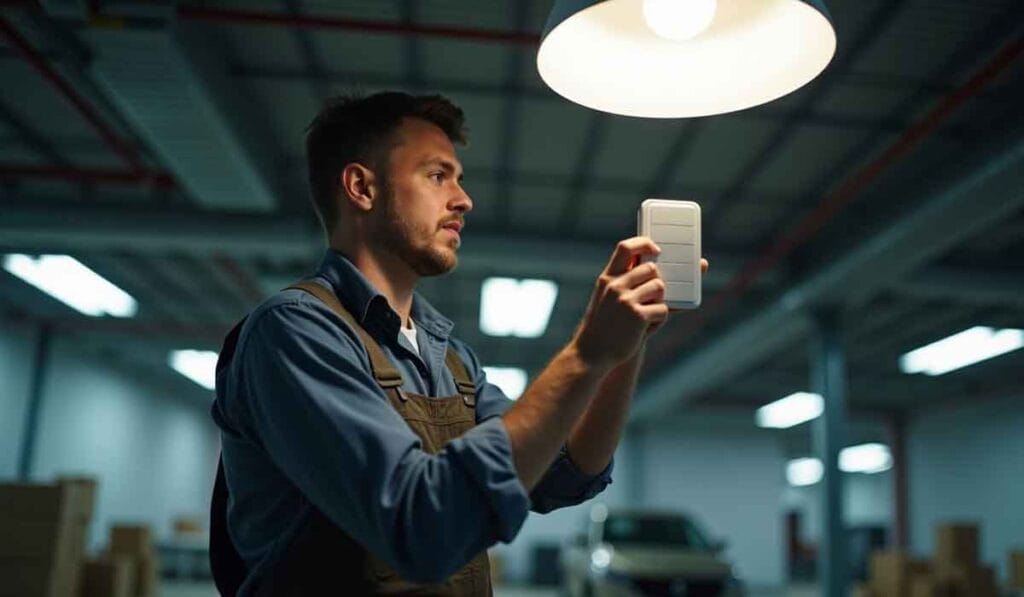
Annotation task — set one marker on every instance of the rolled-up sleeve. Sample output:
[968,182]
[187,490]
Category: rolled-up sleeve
[325,422]
[563,484]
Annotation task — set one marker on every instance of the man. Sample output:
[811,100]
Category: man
[364,450]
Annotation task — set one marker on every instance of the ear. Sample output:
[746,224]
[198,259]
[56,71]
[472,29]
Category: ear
[357,185]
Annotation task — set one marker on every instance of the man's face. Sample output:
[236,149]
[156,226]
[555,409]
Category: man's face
[424,204]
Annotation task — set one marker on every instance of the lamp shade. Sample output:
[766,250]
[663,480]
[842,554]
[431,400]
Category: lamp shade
[682,58]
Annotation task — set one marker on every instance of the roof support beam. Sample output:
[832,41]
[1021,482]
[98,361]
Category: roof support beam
[987,191]
[206,234]
[970,287]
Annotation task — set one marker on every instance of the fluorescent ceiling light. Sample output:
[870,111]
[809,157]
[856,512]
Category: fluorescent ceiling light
[511,380]
[960,350]
[865,458]
[804,471]
[791,410]
[510,307]
[198,365]
[66,279]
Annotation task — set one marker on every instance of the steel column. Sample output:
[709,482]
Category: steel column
[40,365]
[828,378]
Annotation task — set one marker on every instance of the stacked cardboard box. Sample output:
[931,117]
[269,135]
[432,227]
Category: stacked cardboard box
[135,543]
[929,586]
[893,573]
[1016,568]
[955,571]
[43,530]
[111,576]
[956,561]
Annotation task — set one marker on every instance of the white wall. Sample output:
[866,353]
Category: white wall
[558,527]
[722,470]
[152,445]
[730,477]
[867,500]
[966,462]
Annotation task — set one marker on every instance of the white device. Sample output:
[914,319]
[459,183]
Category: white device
[675,227]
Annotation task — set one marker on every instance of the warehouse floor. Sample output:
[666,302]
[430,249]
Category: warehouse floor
[186,589]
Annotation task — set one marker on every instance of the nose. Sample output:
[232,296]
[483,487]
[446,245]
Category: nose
[462,201]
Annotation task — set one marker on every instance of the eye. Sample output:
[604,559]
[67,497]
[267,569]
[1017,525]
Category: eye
[437,177]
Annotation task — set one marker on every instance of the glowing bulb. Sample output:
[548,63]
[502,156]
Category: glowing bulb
[679,20]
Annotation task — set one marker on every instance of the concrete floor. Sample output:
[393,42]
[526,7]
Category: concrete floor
[193,589]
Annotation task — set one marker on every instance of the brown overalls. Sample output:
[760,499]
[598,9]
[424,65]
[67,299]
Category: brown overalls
[323,560]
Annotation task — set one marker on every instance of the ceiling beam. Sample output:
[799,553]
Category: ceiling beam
[210,234]
[967,286]
[985,189]
[176,95]
[73,228]
[803,117]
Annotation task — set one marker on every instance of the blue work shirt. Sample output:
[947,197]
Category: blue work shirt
[303,422]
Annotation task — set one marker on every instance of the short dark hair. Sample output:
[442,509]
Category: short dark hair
[361,129]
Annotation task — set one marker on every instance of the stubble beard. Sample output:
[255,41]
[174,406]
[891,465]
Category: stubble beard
[414,244]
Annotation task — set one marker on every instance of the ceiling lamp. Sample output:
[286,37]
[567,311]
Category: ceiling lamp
[683,58]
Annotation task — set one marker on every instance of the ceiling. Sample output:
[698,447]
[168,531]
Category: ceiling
[162,146]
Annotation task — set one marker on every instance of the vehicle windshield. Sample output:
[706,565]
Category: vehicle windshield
[675,531]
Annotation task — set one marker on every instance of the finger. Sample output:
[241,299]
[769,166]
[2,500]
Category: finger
[653,313]
[626,250]
[637,276]
[704,266]
[649,292]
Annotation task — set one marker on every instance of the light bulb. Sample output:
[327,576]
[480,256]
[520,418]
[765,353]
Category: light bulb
[679,20]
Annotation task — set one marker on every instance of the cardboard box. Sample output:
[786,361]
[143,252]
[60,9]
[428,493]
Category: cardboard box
[32,539]
[970,581]
[189,526]
[891,571]
[26,576]
[147,576]
[36,502]
[926,585]
[956,545]
[87,488]
[145,572]
[42,538]
[497,571]
[1016,570]
[112,576]
[131,540]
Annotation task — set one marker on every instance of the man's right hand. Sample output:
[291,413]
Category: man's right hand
[626,302]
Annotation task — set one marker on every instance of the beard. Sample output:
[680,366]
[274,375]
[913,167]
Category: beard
[413,243]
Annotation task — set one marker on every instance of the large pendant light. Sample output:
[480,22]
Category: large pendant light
[683,58]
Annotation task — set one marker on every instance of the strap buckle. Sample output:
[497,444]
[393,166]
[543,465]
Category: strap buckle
[388,378]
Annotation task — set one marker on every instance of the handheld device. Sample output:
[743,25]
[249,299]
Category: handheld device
[675,227]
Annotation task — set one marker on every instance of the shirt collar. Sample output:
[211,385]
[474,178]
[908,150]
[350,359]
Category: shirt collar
[360,296]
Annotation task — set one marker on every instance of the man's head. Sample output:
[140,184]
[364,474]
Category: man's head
[384,168]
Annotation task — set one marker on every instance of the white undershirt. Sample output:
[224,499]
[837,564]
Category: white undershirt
[410,334]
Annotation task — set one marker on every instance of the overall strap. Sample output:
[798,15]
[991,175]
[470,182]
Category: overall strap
[384,372]
[462,380]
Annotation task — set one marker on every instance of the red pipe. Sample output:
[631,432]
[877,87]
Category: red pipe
[34,58]
[841,198]
[252,17]
[160,180]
